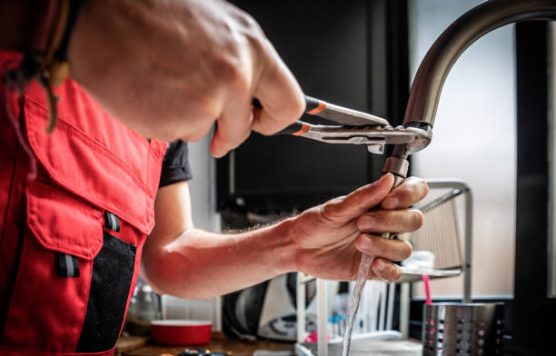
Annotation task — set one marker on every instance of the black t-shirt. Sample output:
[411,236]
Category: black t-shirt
[175,166]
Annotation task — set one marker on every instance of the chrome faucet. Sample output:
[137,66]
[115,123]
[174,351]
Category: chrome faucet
[429,80]
[430,77]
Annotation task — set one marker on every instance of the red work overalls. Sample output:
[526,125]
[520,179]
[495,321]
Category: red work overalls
[71,239]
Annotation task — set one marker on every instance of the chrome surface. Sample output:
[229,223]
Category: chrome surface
[396,166]
[430,77]
[372,136]
[350,117]
[463,329]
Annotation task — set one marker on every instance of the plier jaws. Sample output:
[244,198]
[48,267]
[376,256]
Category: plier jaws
[355,128]
[374,137]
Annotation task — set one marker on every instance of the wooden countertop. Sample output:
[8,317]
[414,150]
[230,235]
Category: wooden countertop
[141,346]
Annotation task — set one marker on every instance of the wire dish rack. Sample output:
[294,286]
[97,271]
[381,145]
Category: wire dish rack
[441,235]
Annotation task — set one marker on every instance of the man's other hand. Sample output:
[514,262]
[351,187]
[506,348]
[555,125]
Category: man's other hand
[170,69]
[330,238]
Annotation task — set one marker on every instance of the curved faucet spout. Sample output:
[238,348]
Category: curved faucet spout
[428,82]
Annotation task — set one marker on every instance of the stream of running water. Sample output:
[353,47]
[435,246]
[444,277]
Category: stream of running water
[364,266]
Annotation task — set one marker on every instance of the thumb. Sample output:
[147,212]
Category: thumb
[358,202]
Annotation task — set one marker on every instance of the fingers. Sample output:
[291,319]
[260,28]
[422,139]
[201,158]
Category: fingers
[394,221]
[408,193]
[280,96]
[233,127]
[279,93]
[359,201]
[383,251]
[385,270]
[393,250]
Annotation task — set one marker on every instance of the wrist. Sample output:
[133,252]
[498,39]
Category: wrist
[281,247]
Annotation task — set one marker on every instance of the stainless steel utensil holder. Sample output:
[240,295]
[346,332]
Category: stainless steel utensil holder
[463,329]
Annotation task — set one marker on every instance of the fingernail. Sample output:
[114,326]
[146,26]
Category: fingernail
[388,176]
[390,203]
[381,180]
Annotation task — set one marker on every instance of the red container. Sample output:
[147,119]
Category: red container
[181,332]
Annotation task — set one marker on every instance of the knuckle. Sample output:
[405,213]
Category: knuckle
[373,247]
[258,44]
[362,223]
[226,70]
[329,209]
[385,247]
[382,217]
[335,201]
[382,246]
[250,24]
[393,223]
[231,71]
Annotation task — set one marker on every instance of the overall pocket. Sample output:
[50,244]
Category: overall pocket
[73,279]
[49,300]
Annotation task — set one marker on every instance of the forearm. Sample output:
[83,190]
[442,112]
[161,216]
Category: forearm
[200,264]
[325,241]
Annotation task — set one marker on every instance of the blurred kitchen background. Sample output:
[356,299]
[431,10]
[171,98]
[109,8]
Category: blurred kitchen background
[493,131]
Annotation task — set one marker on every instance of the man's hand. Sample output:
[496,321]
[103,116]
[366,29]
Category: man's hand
[170,69]
[329,238]
[324,241]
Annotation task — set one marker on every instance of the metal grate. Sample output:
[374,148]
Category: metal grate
[440,233]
